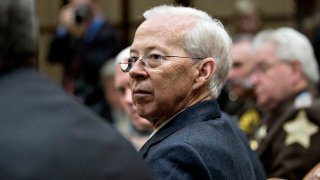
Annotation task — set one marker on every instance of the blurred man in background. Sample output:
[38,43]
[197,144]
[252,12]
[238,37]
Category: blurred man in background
[241,100]
[82,43]
[141,127]
[111,95]
[284,81]
[45,133]
[247,17]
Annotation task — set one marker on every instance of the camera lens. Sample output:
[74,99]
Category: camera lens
[83,13]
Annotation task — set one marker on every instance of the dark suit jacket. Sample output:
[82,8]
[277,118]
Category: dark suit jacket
[198,144]
[45,134]
[257,165]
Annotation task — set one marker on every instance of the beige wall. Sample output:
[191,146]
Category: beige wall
[48,13]
[278,13]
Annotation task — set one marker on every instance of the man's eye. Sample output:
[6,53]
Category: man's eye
[121,90]
[155,57]
[264,67]
[237,64]
[132,59]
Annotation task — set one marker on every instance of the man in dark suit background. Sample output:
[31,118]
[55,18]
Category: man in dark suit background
[179,61]
[44,133]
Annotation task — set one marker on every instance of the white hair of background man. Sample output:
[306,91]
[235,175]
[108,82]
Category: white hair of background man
[125,53]
[108,69]
[207,38]
[291,45]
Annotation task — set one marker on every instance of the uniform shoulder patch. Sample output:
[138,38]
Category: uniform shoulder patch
[299,130]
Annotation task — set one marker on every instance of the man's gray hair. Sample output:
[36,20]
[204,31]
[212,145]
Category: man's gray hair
[123,54]
[207,38]
[18,31]
[291,45]
[108,69]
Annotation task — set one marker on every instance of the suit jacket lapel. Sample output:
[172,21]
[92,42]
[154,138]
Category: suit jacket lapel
[202,111]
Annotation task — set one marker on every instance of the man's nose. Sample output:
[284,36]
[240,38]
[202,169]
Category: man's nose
[138,70]
[232,74]
[253,78]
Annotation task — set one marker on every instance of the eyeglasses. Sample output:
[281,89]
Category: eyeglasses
[149,61]
[264,67]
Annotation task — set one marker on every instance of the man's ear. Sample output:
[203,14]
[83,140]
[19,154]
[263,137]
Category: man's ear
[205,71]
[297,70]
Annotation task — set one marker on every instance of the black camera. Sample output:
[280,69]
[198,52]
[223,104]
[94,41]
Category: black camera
[83,14]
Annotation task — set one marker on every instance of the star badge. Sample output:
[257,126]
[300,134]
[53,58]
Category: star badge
[300,130]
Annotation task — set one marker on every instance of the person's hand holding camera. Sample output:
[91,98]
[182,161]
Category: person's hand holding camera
[74,19]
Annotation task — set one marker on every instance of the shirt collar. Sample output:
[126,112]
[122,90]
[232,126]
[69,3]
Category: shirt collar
[164,123]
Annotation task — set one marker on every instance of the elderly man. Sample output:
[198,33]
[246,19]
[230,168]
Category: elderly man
[179,61]
[284,81]
[44,133]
